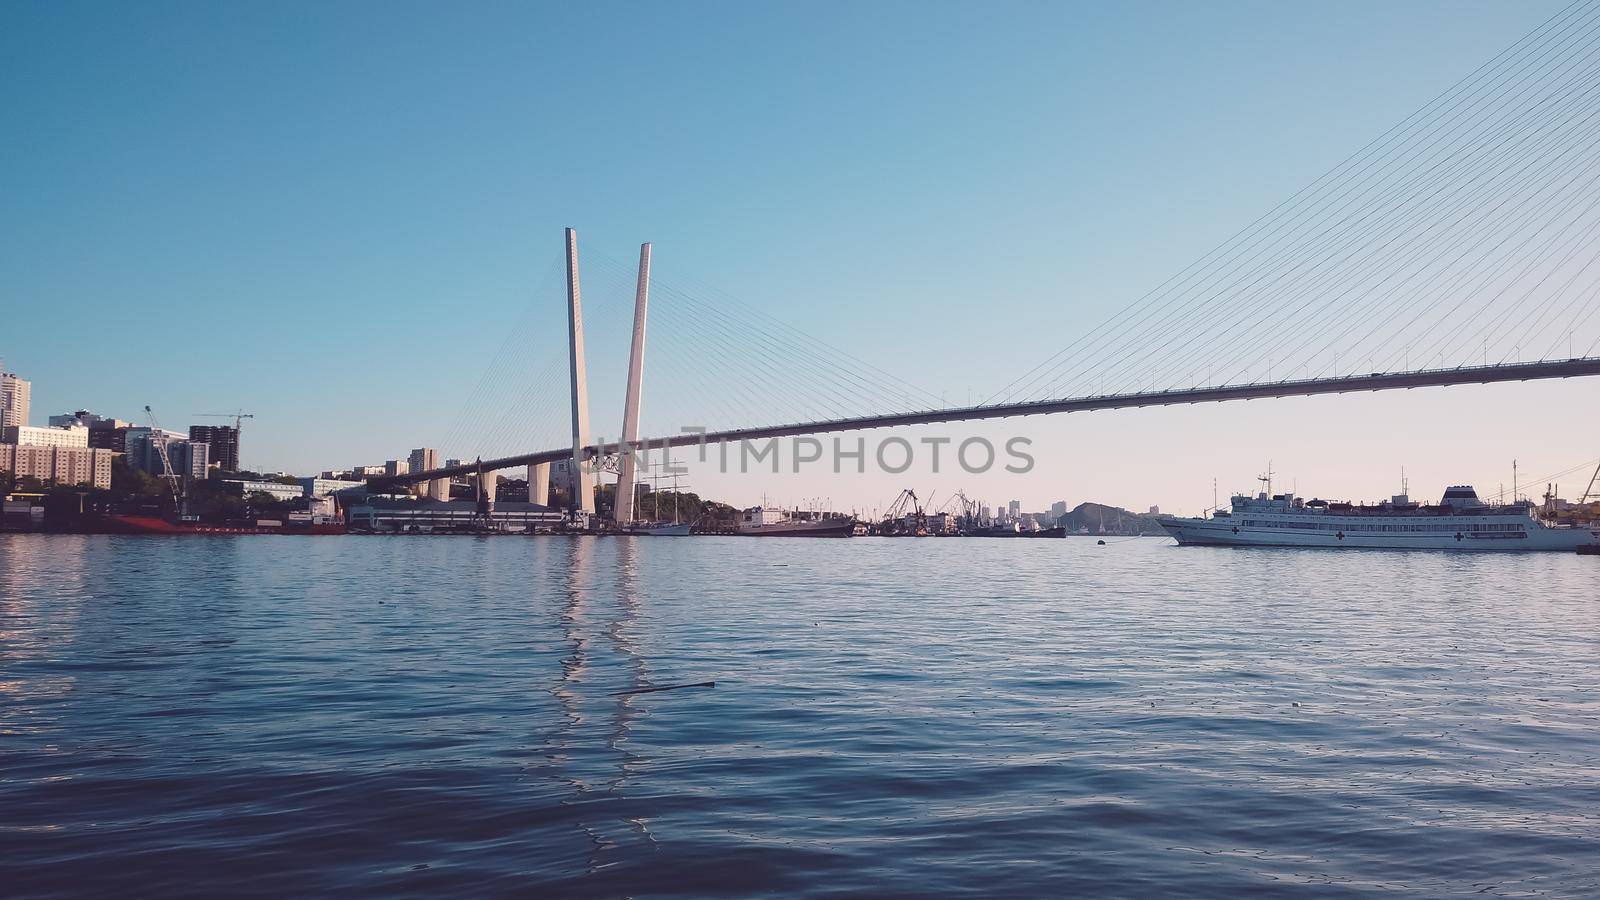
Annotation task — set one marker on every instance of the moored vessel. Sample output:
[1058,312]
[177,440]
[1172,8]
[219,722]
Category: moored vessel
[134,524]
[659,529]
[759,521]
[1460,521]
[1014,531]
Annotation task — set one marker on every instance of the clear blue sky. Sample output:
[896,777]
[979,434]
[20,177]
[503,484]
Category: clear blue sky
[328,213]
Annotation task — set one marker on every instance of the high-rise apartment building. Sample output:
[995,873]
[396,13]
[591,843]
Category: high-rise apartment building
[224,441]
[15,395]
[144,445]
[422,459]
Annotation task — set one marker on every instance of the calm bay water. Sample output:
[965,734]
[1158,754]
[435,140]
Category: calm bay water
[265,716]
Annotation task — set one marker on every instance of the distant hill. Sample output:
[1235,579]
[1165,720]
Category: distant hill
[1098,518]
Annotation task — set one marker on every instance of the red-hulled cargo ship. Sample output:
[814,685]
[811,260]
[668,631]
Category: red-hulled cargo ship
[119,524]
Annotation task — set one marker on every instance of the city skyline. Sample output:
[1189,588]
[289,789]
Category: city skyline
[352,296]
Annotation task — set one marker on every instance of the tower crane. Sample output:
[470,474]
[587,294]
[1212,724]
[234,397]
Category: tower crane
[238,417]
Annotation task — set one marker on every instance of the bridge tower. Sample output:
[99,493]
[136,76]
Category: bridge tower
[538,475]
[630,414]
[582,474]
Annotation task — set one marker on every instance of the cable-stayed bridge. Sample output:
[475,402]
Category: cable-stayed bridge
[1460,246]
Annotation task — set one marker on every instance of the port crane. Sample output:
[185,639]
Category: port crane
[906,504]
[967,509]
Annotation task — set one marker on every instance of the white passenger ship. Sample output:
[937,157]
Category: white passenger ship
[1460,521]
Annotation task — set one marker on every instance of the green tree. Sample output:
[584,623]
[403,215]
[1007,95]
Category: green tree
[126,481]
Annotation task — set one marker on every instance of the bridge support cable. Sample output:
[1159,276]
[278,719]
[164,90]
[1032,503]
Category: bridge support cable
[716,373]
[805,376]
[1396,222]
[733,371]
[1492,97]
[832,376]
[1371,281]
[1529,47]
[709,297]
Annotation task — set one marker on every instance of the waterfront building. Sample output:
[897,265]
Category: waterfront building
[1058,509]
[1014,509]
[60,464]
[455,515]
[423,459]
[240,487]
[15,396]
[33,436]
[396,467]
[322,487]
[224,441]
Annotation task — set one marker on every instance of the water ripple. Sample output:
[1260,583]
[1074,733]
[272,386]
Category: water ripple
[1039,718]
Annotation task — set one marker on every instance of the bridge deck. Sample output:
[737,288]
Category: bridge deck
[1377,381]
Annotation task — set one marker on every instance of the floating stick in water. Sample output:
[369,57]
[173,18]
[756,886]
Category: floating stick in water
[669,687]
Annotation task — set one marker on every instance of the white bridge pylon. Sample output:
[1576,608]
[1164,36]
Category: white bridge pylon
[623,510]
[581,488]
[581,466]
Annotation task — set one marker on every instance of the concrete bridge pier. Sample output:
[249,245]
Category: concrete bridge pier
[539,484]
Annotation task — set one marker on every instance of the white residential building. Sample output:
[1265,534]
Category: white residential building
[278,490]
[322,487]
[31,436]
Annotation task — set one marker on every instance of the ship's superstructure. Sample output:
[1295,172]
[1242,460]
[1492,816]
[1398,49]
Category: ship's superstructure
[1459,521]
